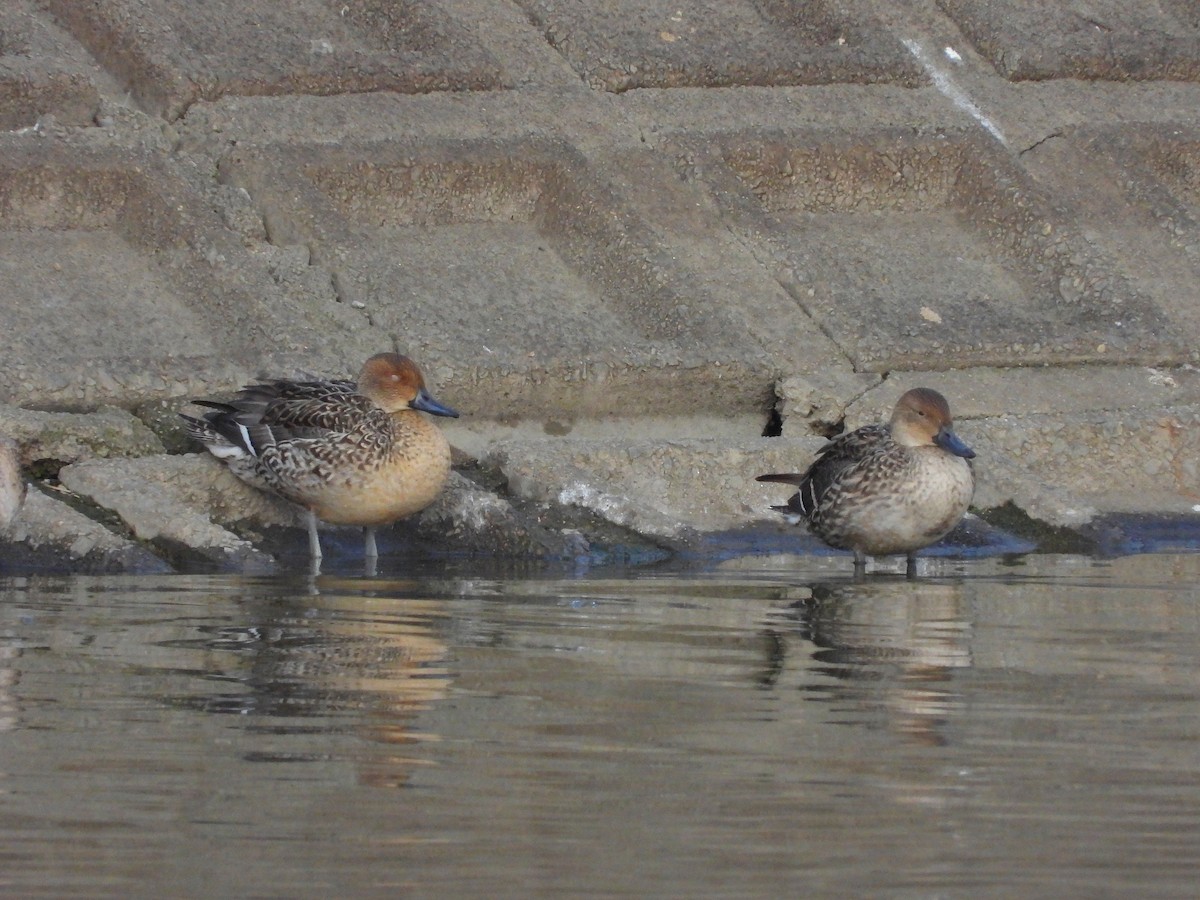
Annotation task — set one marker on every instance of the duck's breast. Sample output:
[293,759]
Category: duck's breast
[904,502]
[393,484]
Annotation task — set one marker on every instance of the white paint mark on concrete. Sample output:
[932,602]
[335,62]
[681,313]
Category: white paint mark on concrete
[943,82]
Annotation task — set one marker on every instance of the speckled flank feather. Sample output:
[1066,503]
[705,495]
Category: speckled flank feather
[350,453]
[887,489]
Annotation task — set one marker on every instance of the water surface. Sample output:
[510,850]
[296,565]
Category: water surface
[768,727]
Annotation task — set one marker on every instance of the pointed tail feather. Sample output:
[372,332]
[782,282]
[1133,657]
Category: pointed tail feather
[800,505]
[792,478]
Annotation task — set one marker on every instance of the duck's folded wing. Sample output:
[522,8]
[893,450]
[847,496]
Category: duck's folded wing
[855,445]
[839,460]
[266,415]
[833,461]
[303,408]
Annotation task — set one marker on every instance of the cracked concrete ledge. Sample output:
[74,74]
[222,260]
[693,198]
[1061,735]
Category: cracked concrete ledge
[159,512]
[53,439]
[1100,440]
[49,535]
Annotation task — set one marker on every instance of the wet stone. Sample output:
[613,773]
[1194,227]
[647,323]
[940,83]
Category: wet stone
[162,500]
[51,535]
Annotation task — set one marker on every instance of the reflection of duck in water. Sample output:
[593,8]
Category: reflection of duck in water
[886,489]
[888,644]
[344,664]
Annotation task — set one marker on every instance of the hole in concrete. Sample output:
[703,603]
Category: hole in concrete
[774,426]
[45,469]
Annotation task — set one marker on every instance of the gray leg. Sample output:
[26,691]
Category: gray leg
[910,568]
[314,543]
[369,549]
[860,564]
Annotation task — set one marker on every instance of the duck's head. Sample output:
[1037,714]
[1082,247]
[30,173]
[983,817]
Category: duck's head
[922,418]
[395,383]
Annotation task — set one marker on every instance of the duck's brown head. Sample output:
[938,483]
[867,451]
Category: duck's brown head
[922,418]
[394,383]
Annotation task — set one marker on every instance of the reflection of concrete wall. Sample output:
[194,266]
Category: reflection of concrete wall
[9,676]
[1067,595]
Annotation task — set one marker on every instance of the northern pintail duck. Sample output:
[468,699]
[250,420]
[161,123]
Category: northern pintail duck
[888,488]
[349,453]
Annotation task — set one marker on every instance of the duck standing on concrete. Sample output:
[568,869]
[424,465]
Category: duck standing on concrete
[349,453]
[886,489]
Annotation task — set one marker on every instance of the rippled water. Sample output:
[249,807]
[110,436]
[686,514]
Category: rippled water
[765,728]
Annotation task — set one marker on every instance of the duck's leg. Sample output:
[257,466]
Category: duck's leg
[910,567]
[369,549]
[314,543]
[860,564]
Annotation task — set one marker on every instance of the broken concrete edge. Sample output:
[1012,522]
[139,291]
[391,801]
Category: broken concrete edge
[164,513]
[583,523]
[12,484]
[50,536]
[48,440]
[603,497]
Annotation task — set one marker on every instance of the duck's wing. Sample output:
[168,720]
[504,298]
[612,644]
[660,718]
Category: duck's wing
[834,462]
[268,415]
[326,405]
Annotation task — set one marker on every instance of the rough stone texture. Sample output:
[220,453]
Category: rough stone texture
[162,501]
[626,239]
[44,74]
[12,484]
[819,403]
[664,488]
[469,518]
[984,393]
[625,44]
[56,438]
[173,54]
[909,247]
[1100,39]
[1136,461]
[191,511]
[51,535]
[673,489]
